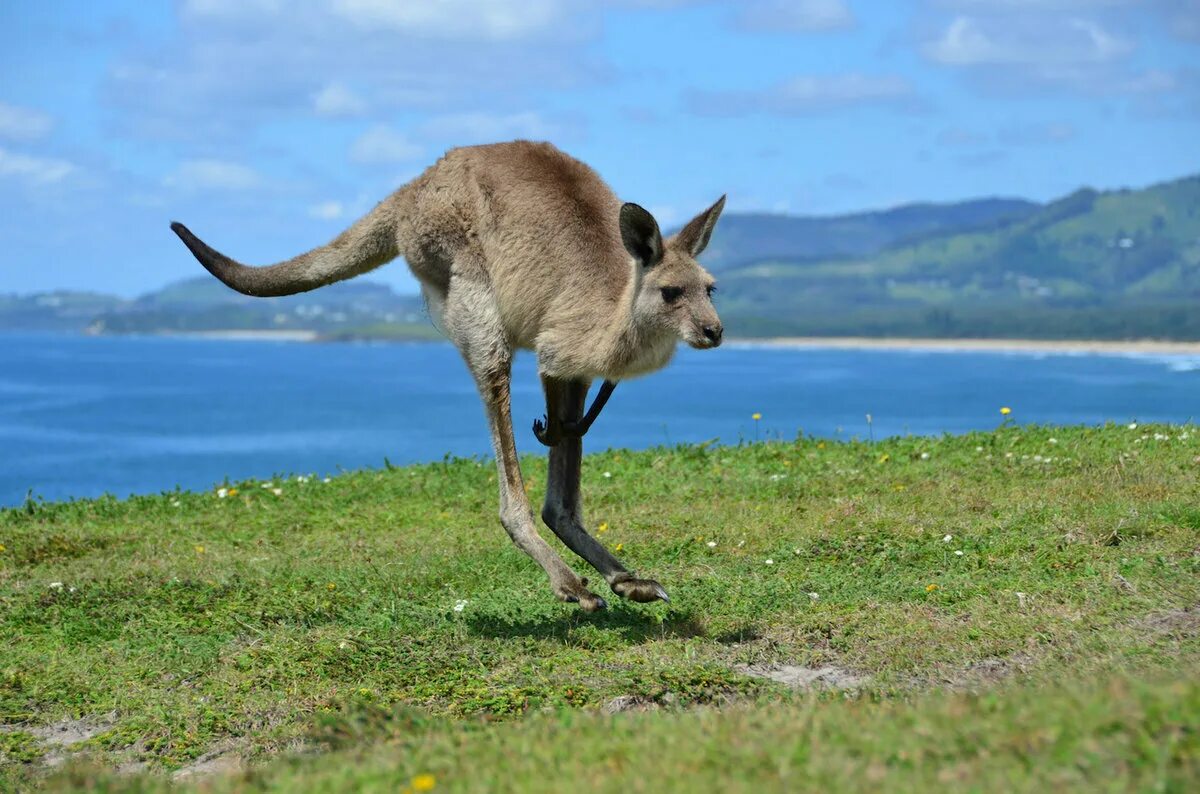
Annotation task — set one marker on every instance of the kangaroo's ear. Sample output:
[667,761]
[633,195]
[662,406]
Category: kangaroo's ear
[639,232]
[694,237]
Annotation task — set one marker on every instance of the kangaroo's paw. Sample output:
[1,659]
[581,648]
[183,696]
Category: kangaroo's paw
[577,593]
[643,590]
[541,430]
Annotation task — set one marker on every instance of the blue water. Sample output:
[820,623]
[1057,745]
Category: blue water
[83,416]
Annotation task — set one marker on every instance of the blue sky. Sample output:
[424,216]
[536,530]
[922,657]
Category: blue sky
[267,126]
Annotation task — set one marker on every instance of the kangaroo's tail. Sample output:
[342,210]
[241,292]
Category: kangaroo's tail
[366,245]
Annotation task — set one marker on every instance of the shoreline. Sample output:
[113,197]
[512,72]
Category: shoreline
[1009,345]
[1093,346]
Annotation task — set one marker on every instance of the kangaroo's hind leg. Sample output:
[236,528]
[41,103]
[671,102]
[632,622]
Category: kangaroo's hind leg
[473,324]
[563,510]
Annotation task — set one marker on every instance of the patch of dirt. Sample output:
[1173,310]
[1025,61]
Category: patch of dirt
[989,671]
[67,733]
[797,677]
[1182,622]
[627,703]
[58,738]
[624,703]
[222,760]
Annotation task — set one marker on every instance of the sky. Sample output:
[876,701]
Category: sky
[269,126]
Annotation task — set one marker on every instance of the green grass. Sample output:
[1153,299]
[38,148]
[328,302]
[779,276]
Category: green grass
[1059,648]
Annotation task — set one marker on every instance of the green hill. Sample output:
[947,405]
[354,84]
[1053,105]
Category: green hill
[1119,263]
[748,238]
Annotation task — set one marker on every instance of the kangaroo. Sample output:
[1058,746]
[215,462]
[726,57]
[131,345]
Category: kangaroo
[519,246]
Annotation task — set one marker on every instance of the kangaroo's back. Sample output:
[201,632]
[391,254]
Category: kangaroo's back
[541,224]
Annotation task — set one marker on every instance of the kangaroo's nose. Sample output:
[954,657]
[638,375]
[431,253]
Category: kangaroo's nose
[713,333]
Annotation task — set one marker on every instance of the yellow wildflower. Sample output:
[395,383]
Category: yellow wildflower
[1005,411]
[820,445]
[620,547]
[331,586]
[756,416]
[199,549]
[929,588]
[884,458]
[602,528]
[233,491]
[424,782]
[3,547]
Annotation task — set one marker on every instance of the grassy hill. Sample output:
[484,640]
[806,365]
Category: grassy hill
[1121,263]
[1010,610]
[746,238]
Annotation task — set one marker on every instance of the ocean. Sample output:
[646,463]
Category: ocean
[84,416]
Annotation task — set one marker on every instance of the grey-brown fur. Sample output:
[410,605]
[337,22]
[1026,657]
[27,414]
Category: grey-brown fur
[518,245]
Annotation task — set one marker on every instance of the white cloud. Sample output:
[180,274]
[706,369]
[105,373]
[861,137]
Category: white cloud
[972,41]
[793,16]
[23,124]
[33,170]
[337,101]
[382,144]
[234,67]
[807,94]
[327,210]
[495,20]
[214,175]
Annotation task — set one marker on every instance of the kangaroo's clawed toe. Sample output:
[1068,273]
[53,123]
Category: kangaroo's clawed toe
[577,593]
[640,590]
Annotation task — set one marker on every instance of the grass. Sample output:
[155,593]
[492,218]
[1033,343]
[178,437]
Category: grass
[1022,605]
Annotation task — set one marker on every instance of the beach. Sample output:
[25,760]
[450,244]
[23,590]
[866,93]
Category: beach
[1148,346]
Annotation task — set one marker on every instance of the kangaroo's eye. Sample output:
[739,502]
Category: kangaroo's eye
[710,289]
[672,294]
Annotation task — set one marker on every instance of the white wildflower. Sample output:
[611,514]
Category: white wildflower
[1133,425]
[979,449]
[1052,441]
[222,493]
[924,456]
[327,479]
[56,585]
[460,605]
[958,553]
[712,544]
[947,538]
[814,596]
[770,561]
[607,474]
[277,491]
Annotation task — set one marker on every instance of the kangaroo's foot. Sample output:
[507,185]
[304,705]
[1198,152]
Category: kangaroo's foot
[642,590]
[577,593]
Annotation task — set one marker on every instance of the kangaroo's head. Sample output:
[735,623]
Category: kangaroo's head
[673,293]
